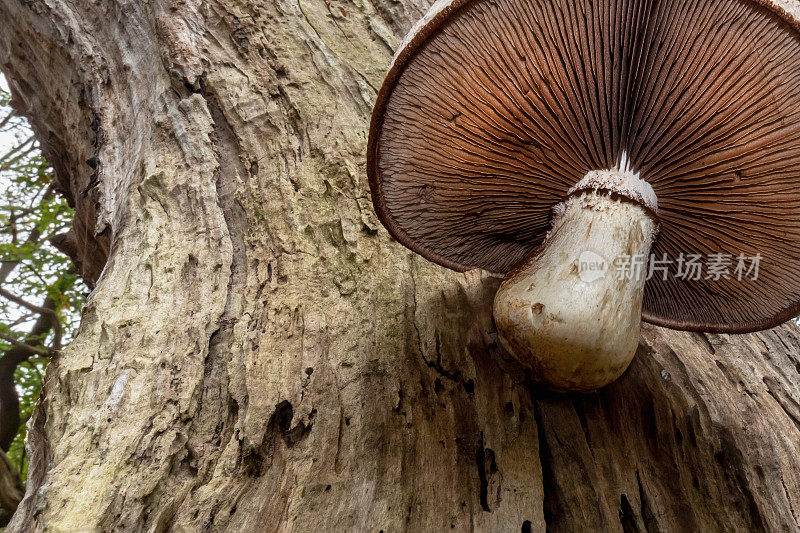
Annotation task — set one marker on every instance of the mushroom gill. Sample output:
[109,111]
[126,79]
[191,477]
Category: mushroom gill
[494,111]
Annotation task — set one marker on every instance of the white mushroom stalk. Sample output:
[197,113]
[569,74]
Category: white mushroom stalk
[566,312]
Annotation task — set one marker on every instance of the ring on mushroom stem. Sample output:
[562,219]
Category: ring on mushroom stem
[519,136]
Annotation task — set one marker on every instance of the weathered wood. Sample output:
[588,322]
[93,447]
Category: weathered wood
[259,355]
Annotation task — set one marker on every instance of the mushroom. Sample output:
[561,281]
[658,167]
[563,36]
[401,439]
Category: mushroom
[532,138]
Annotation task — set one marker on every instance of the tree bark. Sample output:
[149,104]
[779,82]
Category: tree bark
[258,354]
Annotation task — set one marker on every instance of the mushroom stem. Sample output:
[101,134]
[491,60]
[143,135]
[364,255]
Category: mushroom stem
[570,312]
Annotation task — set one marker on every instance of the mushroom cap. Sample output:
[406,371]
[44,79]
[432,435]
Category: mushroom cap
[493,109]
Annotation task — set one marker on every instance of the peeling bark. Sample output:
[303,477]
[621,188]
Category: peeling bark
[258,353]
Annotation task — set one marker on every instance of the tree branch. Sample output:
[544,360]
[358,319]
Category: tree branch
[21,319]
[16,149]
[6,119]
[10,489]
[56,323]
[33,350]
[19,352]
[8,267]
[24,303]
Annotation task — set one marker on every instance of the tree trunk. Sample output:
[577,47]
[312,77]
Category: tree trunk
[10,489]
[258,354]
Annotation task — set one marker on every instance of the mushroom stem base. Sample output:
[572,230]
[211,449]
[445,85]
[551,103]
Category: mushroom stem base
[570,313]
